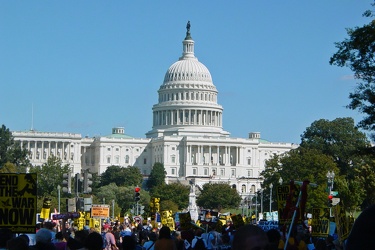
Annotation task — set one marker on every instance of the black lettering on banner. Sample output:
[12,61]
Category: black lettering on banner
[18,202]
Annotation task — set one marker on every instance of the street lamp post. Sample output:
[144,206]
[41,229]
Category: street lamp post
[256,206]
[261,201]
[330,176]
[58,193]
[113,209]
[271,186]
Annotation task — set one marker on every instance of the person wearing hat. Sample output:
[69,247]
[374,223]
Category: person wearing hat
[149,245]
[109,238]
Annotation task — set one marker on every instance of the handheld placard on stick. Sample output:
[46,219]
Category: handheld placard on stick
[302,197]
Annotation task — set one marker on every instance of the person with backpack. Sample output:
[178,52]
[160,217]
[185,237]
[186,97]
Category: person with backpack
[198,243]
[149,245]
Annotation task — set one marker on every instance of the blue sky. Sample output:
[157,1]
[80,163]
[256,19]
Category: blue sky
[88,66]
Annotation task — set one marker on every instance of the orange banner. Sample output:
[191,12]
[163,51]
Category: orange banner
[100,211]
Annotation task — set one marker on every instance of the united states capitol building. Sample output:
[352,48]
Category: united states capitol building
[187,136]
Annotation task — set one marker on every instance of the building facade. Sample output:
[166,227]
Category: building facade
[187,136]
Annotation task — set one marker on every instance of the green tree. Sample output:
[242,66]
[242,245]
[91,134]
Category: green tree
[168,205]
[218,196]
[11,152]
[357,52]
[343,142]
[49,175]
[298,165]
[340,139]
[125,198]
[175,192]
[121,176]
[157,176]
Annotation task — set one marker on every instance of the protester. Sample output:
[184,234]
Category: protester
[94,241]
[60,242]
[180,244]
[5,235]
[17,243]
[128,243]
[198,242]
[165,241]
[150,243]
[249,237]
[363,231]
[43,240]
[109,238]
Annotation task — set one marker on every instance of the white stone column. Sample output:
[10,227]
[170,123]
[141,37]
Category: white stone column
[210,161]
[218,155]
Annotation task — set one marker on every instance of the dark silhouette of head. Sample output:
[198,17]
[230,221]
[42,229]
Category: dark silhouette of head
[363,231]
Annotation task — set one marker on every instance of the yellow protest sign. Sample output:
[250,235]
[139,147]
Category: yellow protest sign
[44,214]
[18,202]
[342,222]
[283,192]
[320,222]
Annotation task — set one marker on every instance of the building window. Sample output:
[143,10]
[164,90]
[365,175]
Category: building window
[144,172]
[252,190]
[214,171]
[117,159]
[127,159]
[195,171]
[173,159]
[144,161]
[248,161]
[222,172]
[243,188]
[127,150]
[173,171]
[108,159]
[117,149]
[205,171]
[137,149]
[173,148]
[108,149]
[233,172]
[249,173]
[71,156]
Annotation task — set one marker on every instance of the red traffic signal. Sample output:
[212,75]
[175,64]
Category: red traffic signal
[330,200]
[137,194]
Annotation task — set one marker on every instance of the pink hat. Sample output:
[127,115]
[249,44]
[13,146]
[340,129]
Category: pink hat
[106,226]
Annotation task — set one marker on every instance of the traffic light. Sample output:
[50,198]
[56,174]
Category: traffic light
[137,194]
[80,204]
[330,197]
[87,182]
[67,183]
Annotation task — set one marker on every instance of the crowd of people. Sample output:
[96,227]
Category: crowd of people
[129,236]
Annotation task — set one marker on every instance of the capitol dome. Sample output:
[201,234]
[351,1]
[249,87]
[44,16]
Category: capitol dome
[188,70]
[187,103]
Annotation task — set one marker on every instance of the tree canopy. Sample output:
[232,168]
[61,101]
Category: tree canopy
[328,146]
[218,196]
[11,153]
[121,176]
[157,176]
[49,175]
[357,52]
[175,192]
